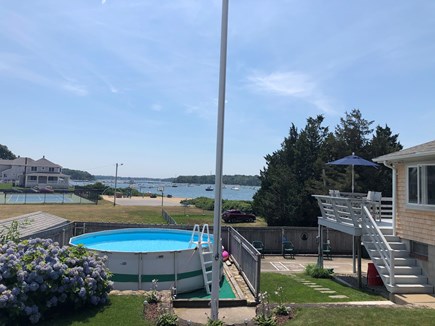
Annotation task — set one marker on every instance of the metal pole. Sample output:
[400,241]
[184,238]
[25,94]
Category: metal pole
[162,189]
[353,178]
[217,248]
[116,180]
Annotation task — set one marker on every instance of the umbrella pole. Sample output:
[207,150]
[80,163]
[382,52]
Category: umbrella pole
[353,178]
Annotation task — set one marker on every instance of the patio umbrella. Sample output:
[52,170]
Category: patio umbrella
[353,160]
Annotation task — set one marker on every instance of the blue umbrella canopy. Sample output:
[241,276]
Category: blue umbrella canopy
[353,160]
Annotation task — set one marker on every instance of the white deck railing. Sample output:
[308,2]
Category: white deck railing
[358,213]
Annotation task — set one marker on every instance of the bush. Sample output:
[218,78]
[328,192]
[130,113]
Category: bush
[167,319]
[37,277]
[208,204]
[318,272]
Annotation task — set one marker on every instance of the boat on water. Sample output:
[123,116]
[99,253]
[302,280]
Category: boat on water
[209,188]
[235,188]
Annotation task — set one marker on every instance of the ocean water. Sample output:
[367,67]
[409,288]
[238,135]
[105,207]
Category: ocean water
[230,192]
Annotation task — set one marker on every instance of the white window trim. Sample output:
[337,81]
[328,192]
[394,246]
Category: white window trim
[422,207]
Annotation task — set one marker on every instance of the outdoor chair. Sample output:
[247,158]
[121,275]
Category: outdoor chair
[374,202]
[259,246]
[326,249]
[334,193]
[288,249]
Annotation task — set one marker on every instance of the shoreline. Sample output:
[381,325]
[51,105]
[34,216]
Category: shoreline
[145,201]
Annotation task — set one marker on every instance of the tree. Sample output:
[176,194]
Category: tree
[353,133]
[383,142]
[6,154]
[297,170]
[292,174]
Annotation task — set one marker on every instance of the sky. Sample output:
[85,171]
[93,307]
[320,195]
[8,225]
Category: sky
[89,83]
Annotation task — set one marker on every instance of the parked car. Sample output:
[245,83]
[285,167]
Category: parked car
[46,189]
[234,215]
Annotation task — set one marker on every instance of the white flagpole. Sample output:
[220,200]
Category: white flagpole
[217,249]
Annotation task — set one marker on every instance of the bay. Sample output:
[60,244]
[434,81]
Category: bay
[229,192]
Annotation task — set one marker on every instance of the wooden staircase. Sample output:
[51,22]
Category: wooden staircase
[203,243]
[399,272]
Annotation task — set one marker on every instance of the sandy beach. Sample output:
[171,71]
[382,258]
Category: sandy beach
[146,201]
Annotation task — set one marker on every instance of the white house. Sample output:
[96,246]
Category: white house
[26,172]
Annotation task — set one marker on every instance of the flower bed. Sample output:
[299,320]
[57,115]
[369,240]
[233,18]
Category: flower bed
[38,276]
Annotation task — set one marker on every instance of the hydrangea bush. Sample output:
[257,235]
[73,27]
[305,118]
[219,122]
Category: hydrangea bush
[38,276]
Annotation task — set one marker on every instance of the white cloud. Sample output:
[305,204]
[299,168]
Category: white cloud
[283,83]
[291,84]
[76,89]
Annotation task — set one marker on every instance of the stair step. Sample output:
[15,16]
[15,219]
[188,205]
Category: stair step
[387,231]
[406,279]
[392,238]
[393,245]
[402,270]
[397,253]
[398,261]
[410,288]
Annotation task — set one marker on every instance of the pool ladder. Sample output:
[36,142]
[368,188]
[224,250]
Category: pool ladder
[205,253]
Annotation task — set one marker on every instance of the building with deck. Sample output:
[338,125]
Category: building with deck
[399,232]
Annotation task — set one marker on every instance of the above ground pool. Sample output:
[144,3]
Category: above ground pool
[136,257]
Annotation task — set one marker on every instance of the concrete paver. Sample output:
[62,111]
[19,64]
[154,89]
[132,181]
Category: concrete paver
[235,315]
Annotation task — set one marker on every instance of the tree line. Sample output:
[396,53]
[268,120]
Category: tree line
[298,169]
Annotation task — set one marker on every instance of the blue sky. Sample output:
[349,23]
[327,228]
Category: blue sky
[90,83]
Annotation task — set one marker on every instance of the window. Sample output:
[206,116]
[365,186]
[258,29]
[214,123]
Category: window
[33,178]
[52,179]
[421,185]
[50,169]
[33,169]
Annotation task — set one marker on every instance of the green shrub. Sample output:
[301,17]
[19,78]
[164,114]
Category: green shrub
[38,277]
[167,319]
[211,322]
[262,320]
[318,272]
[208,204]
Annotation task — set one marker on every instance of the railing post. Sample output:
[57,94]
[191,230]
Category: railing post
[392,280]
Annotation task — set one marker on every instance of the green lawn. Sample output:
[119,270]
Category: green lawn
[128,310]
[294,291]
[355,316]
[122,310]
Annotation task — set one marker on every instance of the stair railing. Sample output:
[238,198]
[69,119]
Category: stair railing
[372,231]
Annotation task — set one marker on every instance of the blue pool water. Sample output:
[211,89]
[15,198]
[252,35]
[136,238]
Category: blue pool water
[137,240]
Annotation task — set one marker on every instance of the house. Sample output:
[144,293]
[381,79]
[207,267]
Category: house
[28,173]
[414,201]
[400,238]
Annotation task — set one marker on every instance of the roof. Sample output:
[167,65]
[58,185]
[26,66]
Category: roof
[21,161]
[38,221]
[423,150]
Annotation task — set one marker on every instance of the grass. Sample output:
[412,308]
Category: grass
[294,291]
[122,310]
[103,212]
[355,316]
[106,212]
[127,310]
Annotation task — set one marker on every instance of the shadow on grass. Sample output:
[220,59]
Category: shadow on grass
[64,317]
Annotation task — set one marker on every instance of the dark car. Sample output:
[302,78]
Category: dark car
[234,215]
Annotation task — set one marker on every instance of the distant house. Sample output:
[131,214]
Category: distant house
[28,173]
